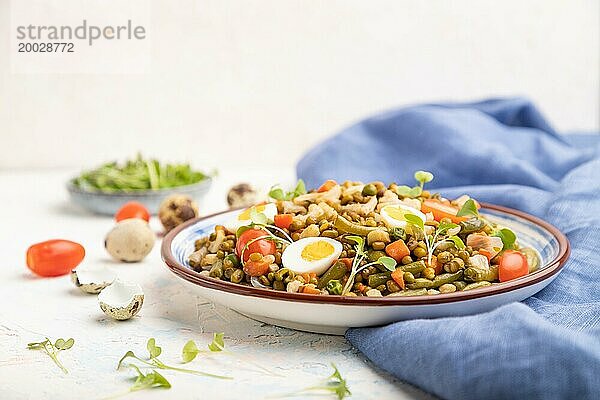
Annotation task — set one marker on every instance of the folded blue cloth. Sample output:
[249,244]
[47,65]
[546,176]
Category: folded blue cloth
[500,151]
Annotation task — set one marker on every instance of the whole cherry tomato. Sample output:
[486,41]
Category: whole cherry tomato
[262,246]
[54,257]
[132,209]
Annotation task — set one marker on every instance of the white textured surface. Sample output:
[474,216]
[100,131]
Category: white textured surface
[264,80]
[33,208]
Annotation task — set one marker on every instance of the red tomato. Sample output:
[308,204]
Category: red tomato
[263,246]
[441,210]
[132,209]
[54,257]
[283,221]
[512,265]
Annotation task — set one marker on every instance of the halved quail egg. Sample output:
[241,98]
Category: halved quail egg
[92,279]
[121,300]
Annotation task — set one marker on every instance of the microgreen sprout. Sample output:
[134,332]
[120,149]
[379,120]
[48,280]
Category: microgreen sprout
[52,349]
[468,209]
[508,238]
[334,384]
[149,381]
[277,193]
[388,262]
[422,177]
[260,221]
[448,229]
[154,363]
[190,351]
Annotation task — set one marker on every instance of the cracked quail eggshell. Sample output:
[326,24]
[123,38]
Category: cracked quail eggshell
[121,300]
[92,279]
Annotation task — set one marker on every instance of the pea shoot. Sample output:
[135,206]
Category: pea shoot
[334,384]
[388,262]
[422,177]
[431,241]
[508,238]
[277,192]
[468,209]
[154,363]
[52,349]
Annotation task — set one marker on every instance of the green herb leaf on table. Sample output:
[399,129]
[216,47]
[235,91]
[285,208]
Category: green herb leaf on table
[334,384]
[53,349]
[153,349]
[468,209]
[508,238]
[217,344]
[189,352]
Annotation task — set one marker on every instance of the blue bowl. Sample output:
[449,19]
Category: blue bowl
[108,203]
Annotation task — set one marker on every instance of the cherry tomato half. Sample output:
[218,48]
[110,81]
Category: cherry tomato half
[132,209]
[262,246]
[54,257]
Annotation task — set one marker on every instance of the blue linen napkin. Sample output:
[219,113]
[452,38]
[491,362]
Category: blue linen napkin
[500,151]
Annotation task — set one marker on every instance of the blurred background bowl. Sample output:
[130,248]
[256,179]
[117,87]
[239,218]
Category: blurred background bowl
[109,203]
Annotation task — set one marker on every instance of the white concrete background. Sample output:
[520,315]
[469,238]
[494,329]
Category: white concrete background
[246,82]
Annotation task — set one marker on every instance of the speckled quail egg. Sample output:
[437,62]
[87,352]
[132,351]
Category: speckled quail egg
[176,209]
[313,254]
[393,215]
[130,240]
[242,195]
[121,300]
[244,217]
[92,279]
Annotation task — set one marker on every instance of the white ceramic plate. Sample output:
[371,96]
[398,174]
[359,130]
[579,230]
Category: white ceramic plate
[335,314]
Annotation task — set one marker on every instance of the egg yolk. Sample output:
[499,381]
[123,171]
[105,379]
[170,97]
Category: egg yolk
[246,214]
[317,251]
[396,213]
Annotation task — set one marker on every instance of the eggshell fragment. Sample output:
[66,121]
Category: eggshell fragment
[121,300]
[92,279]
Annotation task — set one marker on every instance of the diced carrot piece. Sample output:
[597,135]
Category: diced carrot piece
[310,290]
[398,277]
[327,185]
[397,250]
[283,221]
[441,210]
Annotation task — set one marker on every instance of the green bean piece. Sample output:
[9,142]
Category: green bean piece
[446,278]
[235,261]
[477,274]
[379,279]
[374,255]
[336,271]
[477,285]
[343,225]
[421,283]
[397,234]
[417,292]
[460,285]
[471,225]
[414,267]
[533,260]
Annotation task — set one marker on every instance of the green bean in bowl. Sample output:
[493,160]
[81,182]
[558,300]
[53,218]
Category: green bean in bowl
[357,239]
[106,188]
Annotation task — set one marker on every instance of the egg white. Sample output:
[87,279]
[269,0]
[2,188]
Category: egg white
[293,260]
[236,222]
[392,222]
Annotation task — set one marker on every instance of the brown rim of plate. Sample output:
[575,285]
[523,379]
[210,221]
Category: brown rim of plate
[552,268]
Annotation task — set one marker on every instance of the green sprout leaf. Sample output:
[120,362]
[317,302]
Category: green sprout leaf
[446,226]
[276,193]
[149,381]
[457,242]
[189,352]
[53,349]
[258,218]
[153,349]
[423,177]
[508,238]
[414,220]
[468,209]
[241,230]
[334,384]
[407,191]
[388,262]
[217,344]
